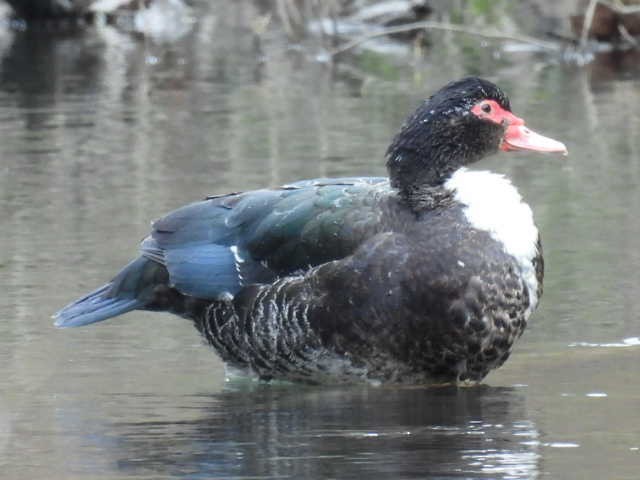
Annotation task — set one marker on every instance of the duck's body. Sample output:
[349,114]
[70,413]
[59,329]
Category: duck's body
[427,278]
[382,312]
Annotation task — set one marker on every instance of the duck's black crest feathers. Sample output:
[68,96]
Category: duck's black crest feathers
[472,90]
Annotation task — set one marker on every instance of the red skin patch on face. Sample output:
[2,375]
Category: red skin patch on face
[495,113]
[516,135]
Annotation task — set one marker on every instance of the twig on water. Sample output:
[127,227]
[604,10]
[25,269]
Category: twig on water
[427,25]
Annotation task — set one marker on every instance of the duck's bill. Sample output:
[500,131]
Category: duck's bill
[519,137]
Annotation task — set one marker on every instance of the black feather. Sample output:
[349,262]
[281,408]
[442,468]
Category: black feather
[342,279]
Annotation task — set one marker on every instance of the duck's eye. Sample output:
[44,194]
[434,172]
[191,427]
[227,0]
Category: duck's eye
[486,108]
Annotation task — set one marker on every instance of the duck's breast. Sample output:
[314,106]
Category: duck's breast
[492,204]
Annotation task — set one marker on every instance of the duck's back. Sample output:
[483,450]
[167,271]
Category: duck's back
[224,243]
[212,249]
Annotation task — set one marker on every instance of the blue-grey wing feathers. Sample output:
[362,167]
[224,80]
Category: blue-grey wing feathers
[212,249]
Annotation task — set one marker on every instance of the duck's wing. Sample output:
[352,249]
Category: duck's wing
[217,246]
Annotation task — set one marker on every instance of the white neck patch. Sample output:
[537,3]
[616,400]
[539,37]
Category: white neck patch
[494,205]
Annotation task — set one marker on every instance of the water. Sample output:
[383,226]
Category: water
[101,132]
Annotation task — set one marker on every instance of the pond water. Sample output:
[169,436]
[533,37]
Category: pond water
[102,132]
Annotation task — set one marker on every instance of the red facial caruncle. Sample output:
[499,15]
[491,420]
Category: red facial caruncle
[517,136]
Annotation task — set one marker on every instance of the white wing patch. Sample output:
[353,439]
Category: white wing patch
[238,261]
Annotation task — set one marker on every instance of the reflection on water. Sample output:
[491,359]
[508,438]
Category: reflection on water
[102,131]
[300,432]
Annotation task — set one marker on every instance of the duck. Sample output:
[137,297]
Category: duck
[428,276]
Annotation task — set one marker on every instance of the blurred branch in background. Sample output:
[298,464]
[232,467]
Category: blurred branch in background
[575,29]
[572,28]
[495,35]
[614,22]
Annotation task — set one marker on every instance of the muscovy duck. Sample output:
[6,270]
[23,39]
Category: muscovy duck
[426,277]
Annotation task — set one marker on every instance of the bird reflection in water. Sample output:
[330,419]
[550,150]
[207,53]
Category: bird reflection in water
[292,431]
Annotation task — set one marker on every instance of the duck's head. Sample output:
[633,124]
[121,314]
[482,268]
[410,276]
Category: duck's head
[461,123]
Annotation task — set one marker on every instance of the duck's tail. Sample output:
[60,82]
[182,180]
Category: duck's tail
[132,289]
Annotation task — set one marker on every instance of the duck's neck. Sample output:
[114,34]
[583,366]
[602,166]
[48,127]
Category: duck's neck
[428,150]
[492,204]
[419,178]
